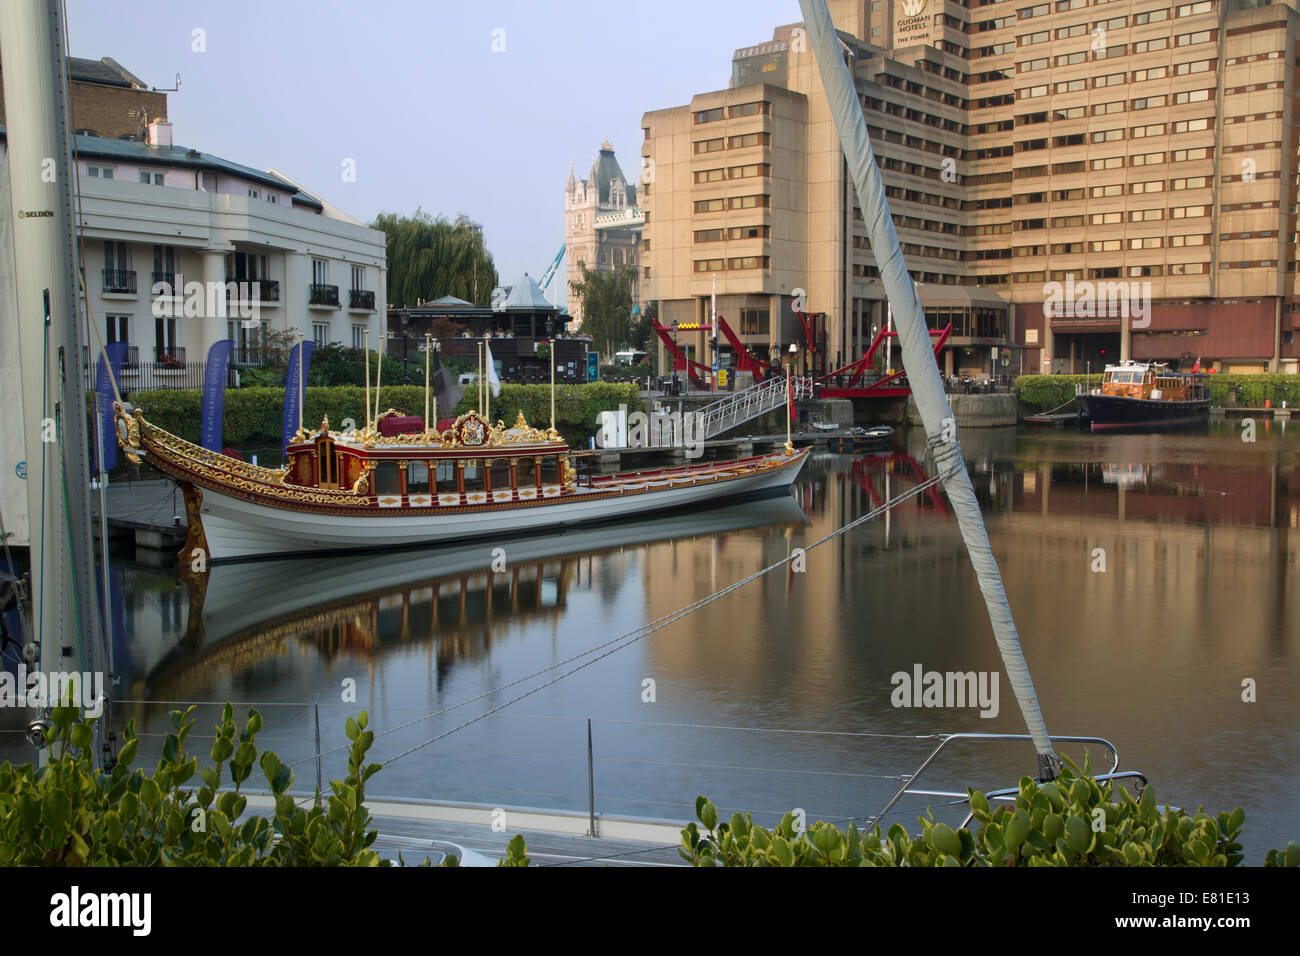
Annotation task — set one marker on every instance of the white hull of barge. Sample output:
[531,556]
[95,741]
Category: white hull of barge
[236,528]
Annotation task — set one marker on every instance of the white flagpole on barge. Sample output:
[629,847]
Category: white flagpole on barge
[922,369]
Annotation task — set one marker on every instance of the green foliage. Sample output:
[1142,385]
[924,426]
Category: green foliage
[253,416]
[333,364]
[627,373]
[71,813]
[1043,392]
[429,258]
[606,302]
[516,853]
[262,377]
[1072,821]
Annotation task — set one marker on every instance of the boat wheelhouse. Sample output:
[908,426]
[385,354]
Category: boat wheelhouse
[1142,395]
[398,484]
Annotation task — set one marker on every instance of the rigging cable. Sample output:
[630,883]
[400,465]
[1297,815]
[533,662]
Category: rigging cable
[637,634]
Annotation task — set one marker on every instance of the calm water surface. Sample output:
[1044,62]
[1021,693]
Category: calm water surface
[778,695]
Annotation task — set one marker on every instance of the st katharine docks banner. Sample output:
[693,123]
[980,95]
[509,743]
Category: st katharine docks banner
[914,21]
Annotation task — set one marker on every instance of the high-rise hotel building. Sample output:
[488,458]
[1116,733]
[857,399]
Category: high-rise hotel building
[1072,182]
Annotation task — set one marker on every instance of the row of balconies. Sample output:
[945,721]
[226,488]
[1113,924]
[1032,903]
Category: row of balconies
[123,282]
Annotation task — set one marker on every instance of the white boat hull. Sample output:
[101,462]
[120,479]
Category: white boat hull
[236,528]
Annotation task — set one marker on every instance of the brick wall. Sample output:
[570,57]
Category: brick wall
[104,108]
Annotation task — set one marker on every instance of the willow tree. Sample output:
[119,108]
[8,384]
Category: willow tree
[606,302]
[429,258]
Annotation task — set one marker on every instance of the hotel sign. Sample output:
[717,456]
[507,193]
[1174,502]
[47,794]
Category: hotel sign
[913,22]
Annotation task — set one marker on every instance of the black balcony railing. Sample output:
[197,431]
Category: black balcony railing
[169,356]
[247,356]
[324,295]
[169,279]
[254,290]
[361,299]
[120,281]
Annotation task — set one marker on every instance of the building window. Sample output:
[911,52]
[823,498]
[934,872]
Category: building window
[709,116]
[710,175]
[99,172]
[755,321]
[749,262]
[358,336]
[164,332]
[320,271]
[320,333]
[253,193]
[710,145]
[152,177]
[708,265]
[119,328]
[359,277]
[751,109]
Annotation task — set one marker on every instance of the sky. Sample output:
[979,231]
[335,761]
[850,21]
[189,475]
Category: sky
[414,95]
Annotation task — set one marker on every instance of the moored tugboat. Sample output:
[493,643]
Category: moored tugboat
[1146,395]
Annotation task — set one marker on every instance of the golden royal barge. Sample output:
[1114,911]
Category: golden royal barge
[396,484]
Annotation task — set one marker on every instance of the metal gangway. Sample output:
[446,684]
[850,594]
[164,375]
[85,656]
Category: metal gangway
[740,407]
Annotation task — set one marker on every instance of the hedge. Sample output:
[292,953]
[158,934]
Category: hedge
[1043,392]
[253,415]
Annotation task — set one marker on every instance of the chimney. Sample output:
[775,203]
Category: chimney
[160,134]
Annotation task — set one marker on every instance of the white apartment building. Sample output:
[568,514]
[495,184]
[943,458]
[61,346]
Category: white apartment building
[155,217]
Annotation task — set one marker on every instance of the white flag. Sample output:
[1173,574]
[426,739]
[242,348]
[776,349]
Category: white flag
[493,382]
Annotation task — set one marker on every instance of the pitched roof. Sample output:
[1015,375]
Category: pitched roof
[525,294]
[98,147]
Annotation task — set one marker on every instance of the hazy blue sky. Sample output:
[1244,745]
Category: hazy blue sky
[413,92]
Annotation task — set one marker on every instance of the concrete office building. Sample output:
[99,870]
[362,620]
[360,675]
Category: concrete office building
[1071,182]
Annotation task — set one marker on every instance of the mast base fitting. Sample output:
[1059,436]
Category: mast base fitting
[38,732]
[1049,767]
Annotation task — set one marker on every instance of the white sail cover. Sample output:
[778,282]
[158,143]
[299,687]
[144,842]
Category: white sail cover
[13,489]
[918,359]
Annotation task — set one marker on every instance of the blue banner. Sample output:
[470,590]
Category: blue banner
[292,389]
[104,398]
[214,394]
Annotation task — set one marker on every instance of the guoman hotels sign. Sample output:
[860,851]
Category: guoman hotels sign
[913,22]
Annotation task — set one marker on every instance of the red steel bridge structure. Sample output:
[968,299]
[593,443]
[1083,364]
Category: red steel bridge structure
[855,380]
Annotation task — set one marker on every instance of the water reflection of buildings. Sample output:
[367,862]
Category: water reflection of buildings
[1195,552]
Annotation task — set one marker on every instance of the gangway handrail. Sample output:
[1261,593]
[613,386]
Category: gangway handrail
[949,738]
[718,416]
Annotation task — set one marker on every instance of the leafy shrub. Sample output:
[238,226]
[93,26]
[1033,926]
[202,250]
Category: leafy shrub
[1072,821]
[253,416]
[334,364]
[72,814]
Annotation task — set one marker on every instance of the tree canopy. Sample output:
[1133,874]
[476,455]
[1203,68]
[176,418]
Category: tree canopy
[606,303]
[429,258]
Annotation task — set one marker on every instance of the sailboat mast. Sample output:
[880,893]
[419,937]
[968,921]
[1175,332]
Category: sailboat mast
[918,359]
[39,167]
